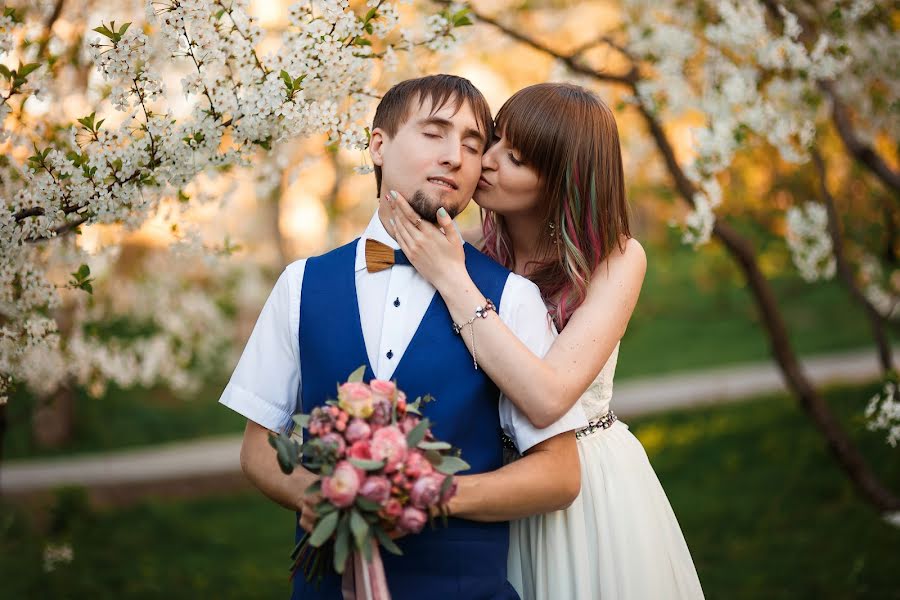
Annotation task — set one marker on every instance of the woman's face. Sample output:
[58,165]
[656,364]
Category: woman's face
[508,185]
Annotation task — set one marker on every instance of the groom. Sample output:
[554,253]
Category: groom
[329,314]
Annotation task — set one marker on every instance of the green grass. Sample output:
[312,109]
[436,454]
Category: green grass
[693,314]
[765,511]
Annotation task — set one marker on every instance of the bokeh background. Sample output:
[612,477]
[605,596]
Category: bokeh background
[765,507]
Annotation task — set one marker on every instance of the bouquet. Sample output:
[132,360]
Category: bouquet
[383,474]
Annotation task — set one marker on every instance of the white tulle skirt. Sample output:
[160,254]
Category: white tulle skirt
[619,540]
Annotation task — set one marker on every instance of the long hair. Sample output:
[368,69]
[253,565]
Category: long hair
[569,136]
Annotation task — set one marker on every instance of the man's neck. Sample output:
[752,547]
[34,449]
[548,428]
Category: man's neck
[384,213]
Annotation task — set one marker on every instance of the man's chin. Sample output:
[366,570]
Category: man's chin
[426,206]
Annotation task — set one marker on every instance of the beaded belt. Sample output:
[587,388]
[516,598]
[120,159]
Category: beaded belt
[604,422]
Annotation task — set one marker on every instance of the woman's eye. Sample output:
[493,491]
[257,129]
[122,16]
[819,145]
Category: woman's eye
[514,160]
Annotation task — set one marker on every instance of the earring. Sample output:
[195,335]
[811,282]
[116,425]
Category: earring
[553,236]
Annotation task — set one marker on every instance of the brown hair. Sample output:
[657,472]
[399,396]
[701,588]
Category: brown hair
[394,108]
[569,136]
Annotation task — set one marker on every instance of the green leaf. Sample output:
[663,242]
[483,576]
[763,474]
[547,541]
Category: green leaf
[4,70]
[417,433]
[359,528]
[124,28]
[448,481]
[102,30]
[324,528]
[367,546]
[84,271]
[367,505]
[288,82]
[314,488]
[365,464]
[387,542]
[434,457]
[451,465]
[371,14]
[26,70]
[301,421]
[434,446]
[357,375]
[342,545]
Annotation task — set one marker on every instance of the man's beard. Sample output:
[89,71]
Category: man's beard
[426,207]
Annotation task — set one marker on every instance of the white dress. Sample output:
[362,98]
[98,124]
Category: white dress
[619,539]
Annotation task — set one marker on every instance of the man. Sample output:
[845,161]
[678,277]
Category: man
[327,315]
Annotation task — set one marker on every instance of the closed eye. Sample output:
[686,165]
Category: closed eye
[514,160]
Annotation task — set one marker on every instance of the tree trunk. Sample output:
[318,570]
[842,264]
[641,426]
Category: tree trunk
[53,420]
[839,443]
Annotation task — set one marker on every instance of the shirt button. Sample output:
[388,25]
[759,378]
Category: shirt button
[397,302]
[390,354]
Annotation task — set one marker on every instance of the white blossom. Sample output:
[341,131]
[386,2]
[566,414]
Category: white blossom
[809,241]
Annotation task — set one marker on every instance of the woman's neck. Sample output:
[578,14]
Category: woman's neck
[525,233]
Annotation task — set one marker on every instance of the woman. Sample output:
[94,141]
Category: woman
[554,210]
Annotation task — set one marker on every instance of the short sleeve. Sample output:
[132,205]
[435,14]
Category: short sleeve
[265,384]
[523,311]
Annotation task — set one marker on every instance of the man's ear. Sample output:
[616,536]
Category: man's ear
[376,146]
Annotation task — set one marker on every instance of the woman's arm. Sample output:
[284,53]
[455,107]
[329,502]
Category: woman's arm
[542,389]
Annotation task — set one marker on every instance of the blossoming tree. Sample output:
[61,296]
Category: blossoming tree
[140,146]
[783,75]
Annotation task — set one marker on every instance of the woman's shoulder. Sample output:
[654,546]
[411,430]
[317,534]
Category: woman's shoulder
[628,260]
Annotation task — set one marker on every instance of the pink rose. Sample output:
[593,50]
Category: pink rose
[340,489]
[416,465]
[389,444]
[355,398]
[392,509]
[383,390]
[335,441]
[360,449]
[358,430]
[426,491]
[376,488]
[412,519]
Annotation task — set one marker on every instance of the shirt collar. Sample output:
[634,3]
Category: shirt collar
[374,231]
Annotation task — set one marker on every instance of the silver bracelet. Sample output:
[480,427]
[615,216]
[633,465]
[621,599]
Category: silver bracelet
[482,313]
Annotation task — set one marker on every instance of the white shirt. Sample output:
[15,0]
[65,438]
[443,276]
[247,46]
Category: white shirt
[265,386]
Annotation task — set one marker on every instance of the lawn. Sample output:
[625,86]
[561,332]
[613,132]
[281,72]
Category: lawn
[764,509]
[693,314]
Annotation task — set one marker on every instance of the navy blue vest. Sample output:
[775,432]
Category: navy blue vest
[466,560]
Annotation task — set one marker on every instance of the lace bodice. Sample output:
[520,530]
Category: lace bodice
[596,398]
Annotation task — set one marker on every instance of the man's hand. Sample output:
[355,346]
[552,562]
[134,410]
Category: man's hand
[307,508]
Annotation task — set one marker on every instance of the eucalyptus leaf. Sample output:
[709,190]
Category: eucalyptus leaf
[451,465]
[434,446]
[357,375]
[359,528]
[417,433]
[387,542]
[366,464]
[324,528]
[367,505]
[342,545]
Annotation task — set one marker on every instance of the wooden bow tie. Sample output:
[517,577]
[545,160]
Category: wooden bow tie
[380,256]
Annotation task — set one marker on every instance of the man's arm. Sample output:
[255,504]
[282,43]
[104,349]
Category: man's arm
[546,479]
[260,465]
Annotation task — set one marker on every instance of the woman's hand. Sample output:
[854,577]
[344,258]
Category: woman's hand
[435,252]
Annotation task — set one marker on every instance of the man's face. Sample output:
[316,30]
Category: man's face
[434,160]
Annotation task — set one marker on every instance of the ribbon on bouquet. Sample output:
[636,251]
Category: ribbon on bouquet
[365,580]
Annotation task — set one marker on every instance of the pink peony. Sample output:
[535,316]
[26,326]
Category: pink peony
[408,423]
[392,509]
[416,465]
[358,430]
[389,444]
[412,519]
[355,398]
[336,441]
[383,390]
[360,449]
[426,491]
[340,489]
[376,488]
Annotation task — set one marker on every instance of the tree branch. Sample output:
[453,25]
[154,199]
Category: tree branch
[876,320]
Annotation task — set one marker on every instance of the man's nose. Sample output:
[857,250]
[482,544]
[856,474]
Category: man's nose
[451,154]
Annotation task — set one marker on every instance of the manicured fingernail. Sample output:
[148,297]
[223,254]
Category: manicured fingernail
[393,195]
[391,221]
[442,212]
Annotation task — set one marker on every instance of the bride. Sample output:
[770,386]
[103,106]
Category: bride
[554,210]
